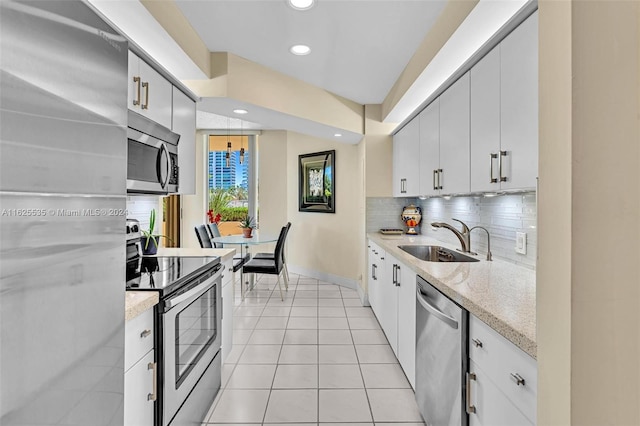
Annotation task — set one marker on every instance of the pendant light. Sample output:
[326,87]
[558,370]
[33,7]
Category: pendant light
[241,145]
[228,154]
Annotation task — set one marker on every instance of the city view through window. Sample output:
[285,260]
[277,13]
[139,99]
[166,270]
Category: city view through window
[228,186]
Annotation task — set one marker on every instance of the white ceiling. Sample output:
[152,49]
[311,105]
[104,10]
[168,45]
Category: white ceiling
[358,47]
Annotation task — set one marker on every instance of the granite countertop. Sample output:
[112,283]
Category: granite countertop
[501,294]
[136,302]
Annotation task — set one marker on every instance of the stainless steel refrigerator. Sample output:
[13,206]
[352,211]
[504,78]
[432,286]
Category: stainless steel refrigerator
[63,86]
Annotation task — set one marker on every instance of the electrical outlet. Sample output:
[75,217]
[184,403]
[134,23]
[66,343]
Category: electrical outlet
[521,242]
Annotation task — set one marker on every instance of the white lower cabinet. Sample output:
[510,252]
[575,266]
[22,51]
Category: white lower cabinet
[138,389]
[228,277]
[502,379]
[392,295]
[140,377]
[406,284]
[374,279]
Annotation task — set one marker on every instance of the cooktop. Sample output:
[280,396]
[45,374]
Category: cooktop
[166,274]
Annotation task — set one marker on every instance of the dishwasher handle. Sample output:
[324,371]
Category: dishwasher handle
[451,322]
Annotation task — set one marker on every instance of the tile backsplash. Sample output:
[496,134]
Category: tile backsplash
[503,216]
[139,207]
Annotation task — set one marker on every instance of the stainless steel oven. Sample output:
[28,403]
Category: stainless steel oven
[191,339]
[152,157]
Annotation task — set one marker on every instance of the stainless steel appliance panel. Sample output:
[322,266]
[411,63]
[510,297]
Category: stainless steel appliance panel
[441,357]
[191,339]
[152,157]
[63,80]
[62,201]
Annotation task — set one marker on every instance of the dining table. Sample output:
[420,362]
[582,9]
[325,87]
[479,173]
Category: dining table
[256,238]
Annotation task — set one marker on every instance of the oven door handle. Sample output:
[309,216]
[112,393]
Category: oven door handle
[193,293]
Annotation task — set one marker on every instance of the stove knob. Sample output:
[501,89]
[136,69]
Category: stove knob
[134,228]
[128,231]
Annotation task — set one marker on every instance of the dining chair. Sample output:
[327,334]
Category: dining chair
[215,233]
[203,236]
[270,255]
[238,259]
[272,266]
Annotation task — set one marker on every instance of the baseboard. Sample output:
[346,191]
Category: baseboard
[334,279]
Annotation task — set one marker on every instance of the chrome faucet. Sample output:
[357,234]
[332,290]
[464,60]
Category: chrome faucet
[463,236]
[488,240]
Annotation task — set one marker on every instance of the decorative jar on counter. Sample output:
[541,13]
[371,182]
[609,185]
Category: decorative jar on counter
[411,216]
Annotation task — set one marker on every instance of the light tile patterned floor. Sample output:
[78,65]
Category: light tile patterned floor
[316,357]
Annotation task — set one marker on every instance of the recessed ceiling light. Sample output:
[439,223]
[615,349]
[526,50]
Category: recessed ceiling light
[301,4]
[300,49]
[338,135]
[240,111]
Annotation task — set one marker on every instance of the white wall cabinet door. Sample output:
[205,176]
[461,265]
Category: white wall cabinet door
[485,123]
[519,105]
[406,161]
[454,138]
[149,92]
[138,385]
[184,124]
[407,321]
[430,148]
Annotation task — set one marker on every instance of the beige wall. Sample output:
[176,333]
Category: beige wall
[589,206]
[194,207]
[378,152]
[329,244]
[272,180]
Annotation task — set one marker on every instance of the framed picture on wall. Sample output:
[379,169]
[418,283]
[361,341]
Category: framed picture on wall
[317,182]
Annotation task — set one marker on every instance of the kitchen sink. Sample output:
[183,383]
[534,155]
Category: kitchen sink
[437,254]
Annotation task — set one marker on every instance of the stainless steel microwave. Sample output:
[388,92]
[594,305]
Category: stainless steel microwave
[152,157]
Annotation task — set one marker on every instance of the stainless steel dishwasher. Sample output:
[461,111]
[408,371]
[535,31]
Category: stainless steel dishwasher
[441,357]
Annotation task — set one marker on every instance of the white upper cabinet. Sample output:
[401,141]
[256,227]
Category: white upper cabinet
[149,92]
[453,175]
[485,123]
[504,113]
[519,105]
[184,123]
[430,148]
[406,161]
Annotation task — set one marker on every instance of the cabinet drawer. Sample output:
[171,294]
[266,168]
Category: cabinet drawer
[504,363]
[492,407]
[138,338]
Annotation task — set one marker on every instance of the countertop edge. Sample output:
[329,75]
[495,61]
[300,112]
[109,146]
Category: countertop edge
[518,337]
[137,302]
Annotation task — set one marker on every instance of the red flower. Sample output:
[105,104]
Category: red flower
[213,219]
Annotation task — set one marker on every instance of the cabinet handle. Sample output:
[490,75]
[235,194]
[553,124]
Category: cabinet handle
[153,396]
[375,268]
[394,274]
[145,85]
[491,178]
[145,333]
[137,100]
[439,176]
[435,172]
[397,280]
[477,343]
[502,154]
[517,378]
[470,408]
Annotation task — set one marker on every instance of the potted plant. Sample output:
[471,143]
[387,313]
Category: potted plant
[149,240]
[247,224]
